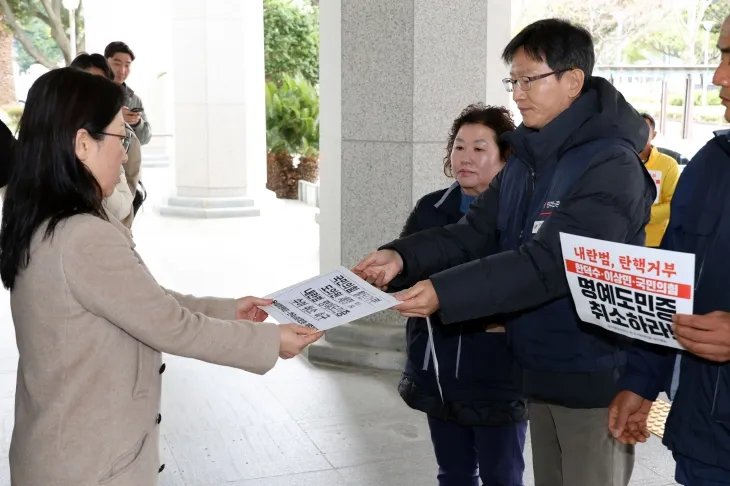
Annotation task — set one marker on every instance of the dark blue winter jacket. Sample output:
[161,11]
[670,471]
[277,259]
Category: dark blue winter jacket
[698,426]
[581,175]
[476,367]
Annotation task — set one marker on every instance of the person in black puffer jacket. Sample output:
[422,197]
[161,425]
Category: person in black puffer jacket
[478,427]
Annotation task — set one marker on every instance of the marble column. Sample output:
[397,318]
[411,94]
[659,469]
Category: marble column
[393,76]
[219,109]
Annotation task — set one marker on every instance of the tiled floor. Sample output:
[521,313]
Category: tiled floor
[299,425]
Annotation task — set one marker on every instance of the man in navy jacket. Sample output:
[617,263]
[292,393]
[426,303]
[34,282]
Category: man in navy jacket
[698,426]
[576,170]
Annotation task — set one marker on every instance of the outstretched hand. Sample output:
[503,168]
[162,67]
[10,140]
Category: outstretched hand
[294,338]
[418,301]
[379,268]
[247,309]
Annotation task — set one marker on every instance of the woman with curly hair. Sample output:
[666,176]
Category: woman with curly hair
[464,380]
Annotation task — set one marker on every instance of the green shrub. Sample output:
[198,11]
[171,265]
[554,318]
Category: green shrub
[713,98]
[676,100]
[292,128]
[292,116]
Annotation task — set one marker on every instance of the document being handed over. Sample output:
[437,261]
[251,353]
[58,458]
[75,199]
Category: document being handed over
[328,301]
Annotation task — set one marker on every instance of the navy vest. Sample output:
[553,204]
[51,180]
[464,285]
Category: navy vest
[551,337]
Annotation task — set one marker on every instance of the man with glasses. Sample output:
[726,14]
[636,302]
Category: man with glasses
[575,169]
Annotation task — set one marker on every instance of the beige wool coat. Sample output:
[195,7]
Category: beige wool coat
[91,323]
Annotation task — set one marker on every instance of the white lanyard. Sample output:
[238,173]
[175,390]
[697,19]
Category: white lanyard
[433,355]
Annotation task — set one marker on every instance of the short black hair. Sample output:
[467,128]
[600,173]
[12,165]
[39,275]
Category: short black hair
[650,119]
[116,47]
[498,118]
[87,61]
[559,43]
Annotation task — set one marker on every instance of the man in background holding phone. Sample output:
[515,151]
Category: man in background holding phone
[120,58]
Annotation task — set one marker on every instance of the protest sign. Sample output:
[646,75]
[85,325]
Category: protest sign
[627,289]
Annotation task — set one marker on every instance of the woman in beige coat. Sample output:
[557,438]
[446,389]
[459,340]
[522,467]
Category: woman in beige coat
[90,319]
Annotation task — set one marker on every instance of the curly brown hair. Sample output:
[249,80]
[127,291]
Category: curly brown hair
[498,118]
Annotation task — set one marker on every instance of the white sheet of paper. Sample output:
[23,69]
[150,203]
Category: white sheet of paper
[328,300]
[657,176]
[629,290]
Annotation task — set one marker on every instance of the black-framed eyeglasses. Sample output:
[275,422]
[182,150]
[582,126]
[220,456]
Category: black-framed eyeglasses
[125,139]
[525,82]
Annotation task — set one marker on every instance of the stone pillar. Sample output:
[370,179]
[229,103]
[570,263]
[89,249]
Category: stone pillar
[219,107]
[393,76]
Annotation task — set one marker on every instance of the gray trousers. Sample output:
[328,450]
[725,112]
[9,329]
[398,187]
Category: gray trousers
[573,447]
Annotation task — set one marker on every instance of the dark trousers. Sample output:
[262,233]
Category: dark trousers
[465,454]
[694,473]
